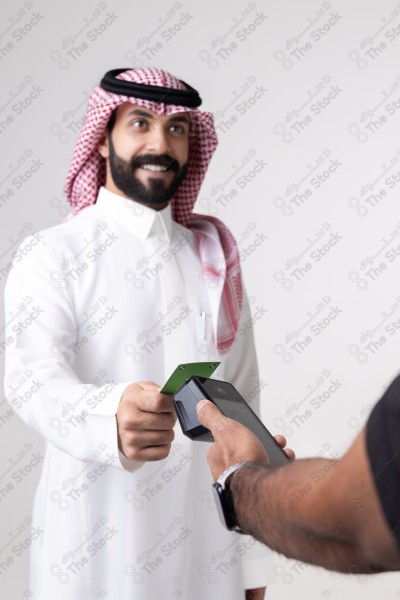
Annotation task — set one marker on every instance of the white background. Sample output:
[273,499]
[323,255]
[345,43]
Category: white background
[308,91]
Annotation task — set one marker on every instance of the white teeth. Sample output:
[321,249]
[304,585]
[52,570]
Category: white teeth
[154,167]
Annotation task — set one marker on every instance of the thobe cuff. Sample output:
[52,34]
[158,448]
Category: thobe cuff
[258,570]
[102,429]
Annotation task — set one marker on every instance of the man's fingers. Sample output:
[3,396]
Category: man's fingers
[157,403]
[211,417]
[148,453]
[148,385]
[143,439]
[148,420]
[290,453]
[149,401]
[153,453]
[282,442]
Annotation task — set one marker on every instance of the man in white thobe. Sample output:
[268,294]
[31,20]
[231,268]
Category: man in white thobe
[113,300]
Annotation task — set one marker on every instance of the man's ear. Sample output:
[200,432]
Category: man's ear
[103,146]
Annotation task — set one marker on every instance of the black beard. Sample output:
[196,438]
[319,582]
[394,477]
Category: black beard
[156,194]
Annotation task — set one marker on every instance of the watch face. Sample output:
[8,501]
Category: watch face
[224,512]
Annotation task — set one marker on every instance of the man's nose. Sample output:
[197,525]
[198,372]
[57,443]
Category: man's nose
[158,141]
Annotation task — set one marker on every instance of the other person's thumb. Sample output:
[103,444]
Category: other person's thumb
[211,417]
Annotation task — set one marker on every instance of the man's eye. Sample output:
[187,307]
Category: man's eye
[138,124]
[177,129]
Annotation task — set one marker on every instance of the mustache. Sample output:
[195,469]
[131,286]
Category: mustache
[162,160]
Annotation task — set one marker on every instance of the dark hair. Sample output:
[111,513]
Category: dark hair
[111,122]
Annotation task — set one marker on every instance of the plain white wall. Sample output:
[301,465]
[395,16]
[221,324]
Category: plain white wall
[306,98]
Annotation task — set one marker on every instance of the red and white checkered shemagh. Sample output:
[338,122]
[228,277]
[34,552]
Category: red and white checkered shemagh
[87,173]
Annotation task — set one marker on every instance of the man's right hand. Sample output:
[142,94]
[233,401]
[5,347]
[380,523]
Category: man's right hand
[145,421]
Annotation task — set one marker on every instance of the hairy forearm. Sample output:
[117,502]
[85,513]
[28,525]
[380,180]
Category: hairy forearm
[288,509]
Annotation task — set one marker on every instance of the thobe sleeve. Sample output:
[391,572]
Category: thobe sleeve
[240,368]
[40,383]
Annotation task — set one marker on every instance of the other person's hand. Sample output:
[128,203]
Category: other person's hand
[145,421]
[234,443]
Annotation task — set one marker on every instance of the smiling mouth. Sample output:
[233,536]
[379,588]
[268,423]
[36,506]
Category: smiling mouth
[157,168]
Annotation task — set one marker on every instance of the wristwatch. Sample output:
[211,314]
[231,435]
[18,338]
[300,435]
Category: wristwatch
[223,497]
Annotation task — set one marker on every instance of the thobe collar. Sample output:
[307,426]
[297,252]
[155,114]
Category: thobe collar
[141,220]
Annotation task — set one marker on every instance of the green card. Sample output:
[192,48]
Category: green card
[184,372]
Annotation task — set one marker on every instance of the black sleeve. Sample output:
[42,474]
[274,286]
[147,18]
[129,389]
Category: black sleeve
[383,447]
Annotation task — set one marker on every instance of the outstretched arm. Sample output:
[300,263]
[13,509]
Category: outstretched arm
[324,512]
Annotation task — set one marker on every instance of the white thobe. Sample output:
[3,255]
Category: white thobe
[116,295]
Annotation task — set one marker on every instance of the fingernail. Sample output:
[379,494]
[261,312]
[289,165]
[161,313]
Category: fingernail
[200,405]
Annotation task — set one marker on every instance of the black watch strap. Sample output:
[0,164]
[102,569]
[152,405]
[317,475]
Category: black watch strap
[224,499]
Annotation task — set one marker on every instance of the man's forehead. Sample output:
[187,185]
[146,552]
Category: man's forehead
[128,109]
